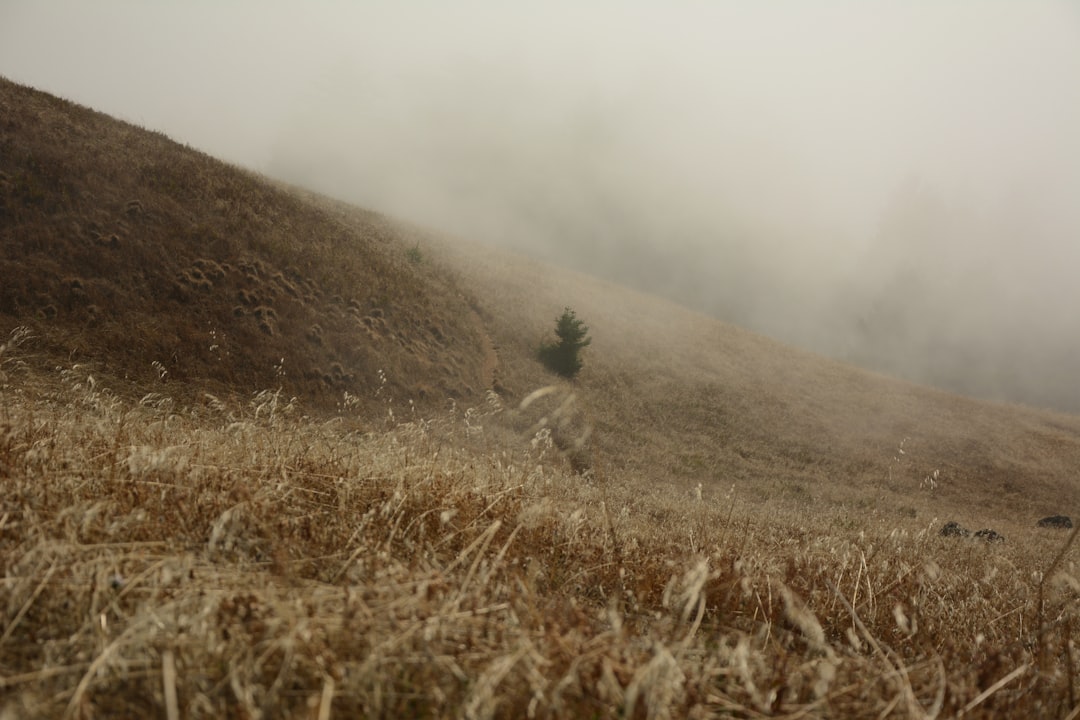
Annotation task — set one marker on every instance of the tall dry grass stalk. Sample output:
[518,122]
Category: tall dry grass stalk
[244,560]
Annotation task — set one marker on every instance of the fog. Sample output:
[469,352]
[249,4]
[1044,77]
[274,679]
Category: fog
[891,183]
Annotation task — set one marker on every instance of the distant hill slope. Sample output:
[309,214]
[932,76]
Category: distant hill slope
[157,263]
[677,398]
[153,263]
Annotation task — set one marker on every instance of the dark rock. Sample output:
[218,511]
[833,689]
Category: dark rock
[953,529]
[990,536]
[1058,522]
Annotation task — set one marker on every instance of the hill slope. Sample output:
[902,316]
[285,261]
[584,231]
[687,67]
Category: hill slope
[156,262]
[680,398]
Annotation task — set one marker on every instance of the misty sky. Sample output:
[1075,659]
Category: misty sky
[896,183]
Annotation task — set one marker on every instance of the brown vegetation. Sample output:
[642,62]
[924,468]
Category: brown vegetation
[706,524]
[120,247]
[250,562]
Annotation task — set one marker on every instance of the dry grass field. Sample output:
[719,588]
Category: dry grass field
[211,509]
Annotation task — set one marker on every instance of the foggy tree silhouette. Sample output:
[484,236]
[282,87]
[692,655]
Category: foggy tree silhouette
[563,357]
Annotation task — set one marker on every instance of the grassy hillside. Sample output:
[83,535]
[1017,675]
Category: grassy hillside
[161,265]
[680,398]
[705,524]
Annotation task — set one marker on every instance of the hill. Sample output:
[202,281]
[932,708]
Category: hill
[251,468]
[161,265]
[678,398]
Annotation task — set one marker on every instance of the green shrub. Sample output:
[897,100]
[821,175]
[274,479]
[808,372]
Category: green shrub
[563,357]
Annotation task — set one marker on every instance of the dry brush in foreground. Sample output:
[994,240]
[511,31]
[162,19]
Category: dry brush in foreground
[247,561]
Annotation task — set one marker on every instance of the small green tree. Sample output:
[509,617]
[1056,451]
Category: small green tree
[563,357]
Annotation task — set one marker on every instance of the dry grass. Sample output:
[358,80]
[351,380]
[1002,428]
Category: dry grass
[221,282]
[248,561]
[120,247]
[680,398]
[706,524]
